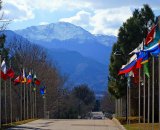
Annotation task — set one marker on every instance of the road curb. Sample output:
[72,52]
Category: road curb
[121,127]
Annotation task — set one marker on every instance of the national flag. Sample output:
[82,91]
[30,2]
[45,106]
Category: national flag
[42,90]
[156,52]
[134,63]
[139,54]
[29,78]
[140,57]
[136,75]
[157,35]
[137,50]
[146,69]
[10,73]
[3,70]
[24,79]
[17,80]
[145,58]
[36,81]
[152,48]
[145,63]
[151,35]
[129,66]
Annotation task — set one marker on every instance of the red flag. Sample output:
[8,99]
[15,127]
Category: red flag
[18,80]
[3,75]
[10,73]
[138,64]
[37,82]
[150,35]
[3,70]
[136,75]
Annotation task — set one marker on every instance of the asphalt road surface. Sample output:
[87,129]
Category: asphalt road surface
[53,124]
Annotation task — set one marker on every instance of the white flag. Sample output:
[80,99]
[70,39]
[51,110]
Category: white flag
[138,49]
[3,67]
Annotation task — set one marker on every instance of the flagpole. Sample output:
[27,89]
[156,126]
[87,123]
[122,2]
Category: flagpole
[10,96]
[159,87]
[127,103]
[30,101]
[27,99]
[31,95]
[24,105]
[148,101]
[153,93]
[5,101]
[144,100]
[21,101]
[24,101]
[33,98]
[139,98]
[129,98]
[35,103]
[0,94]
[44,105]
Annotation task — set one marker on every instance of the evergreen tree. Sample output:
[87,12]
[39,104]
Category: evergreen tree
[130,35]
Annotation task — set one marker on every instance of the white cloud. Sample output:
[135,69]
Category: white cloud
[17,11]
[108,21]
[104,21]
[82,18]
[21,10]
[97,16]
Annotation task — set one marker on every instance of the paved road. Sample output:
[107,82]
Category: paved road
[52,124]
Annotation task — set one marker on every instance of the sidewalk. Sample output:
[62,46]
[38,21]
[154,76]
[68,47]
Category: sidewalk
[121,127]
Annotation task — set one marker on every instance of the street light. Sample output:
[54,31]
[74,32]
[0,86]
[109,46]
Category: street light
[119,53]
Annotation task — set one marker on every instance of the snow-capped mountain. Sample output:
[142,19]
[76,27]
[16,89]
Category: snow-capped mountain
[74,38]
[80,54]
[61,31]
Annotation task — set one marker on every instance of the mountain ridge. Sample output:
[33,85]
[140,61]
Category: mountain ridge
[80,54]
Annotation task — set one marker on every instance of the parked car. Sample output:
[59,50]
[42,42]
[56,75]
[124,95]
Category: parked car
[97,115]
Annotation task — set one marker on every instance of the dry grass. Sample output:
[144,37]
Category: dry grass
[142,126]
[4,126]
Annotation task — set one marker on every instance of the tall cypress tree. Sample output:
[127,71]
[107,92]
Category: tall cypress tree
[130,35]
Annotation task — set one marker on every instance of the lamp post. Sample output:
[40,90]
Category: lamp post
[118,53]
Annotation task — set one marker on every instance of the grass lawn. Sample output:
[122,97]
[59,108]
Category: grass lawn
[142,126]
[4,126]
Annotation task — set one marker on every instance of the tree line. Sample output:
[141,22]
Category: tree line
[133,31]
[26,100]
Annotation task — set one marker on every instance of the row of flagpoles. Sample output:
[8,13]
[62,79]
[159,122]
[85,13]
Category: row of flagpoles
[28,85]
[149,48]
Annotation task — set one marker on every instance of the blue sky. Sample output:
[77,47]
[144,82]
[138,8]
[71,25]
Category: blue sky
[96,16]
